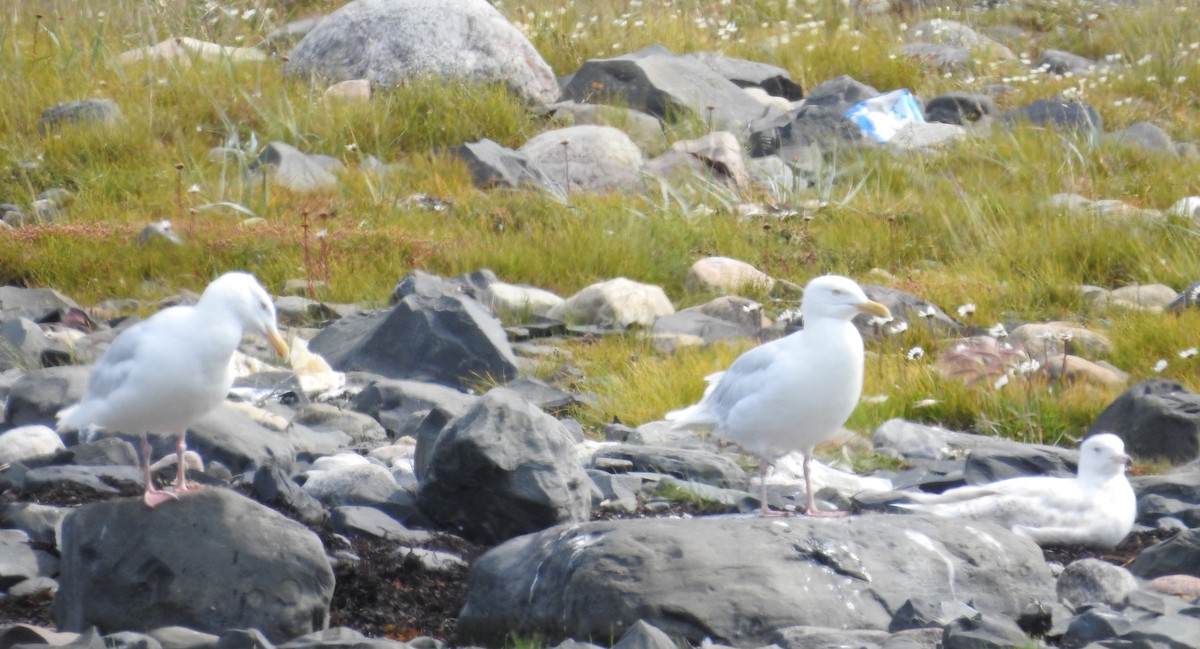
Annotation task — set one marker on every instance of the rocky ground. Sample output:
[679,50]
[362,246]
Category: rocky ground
[386,598]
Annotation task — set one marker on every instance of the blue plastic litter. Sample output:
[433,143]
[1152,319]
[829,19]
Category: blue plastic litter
[881,117]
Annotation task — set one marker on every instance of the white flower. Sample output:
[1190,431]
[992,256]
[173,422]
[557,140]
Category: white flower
[194,189]
[875,398]
[1160,365]
[925,403]
[927,311]
[1028,366]
[998,331]
[1001,382]
[878,321]
[967,309]
[898,328]
[915,353]
[352,147]
[1189,352]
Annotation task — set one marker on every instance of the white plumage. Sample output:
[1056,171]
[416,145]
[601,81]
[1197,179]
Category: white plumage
[790,394]
[161,375]
[1095,508]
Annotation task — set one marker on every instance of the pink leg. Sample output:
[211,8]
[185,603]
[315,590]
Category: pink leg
[181,485]
[153,497]
[763,509]
[812,510]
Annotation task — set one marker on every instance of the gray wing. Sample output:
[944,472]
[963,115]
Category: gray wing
[743,378]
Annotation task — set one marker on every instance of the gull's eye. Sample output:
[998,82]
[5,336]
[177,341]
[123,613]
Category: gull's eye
[837,291]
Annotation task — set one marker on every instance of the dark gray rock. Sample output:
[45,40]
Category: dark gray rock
[1189,297]
[585,158]
[26,346]
[1073,116]
[1179,555]
[545,396]
[231,437]
[296,171]
[922,613]
[104,112]
[95,478]
[1169,631]
[267,572]
[1175,493]
[1157,419]
[272,486]
[1092,581]
[38,396]
[493,165]
[982,632]
[1145,136]
[776,81]
[502,469]
[960,108]
[685,464]
[37,304]
[1095,624]
[1002,460]
[657,81]
[798,137]
[393,42]
[359,521]
[448,340]
[401,406]
[20,561]
[839,94]
[737,580]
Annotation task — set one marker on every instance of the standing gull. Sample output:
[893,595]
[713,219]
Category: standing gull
[792,393]
[1096,508]
[162,375]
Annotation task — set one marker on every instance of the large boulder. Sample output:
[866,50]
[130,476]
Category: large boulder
[1157,418]
[445,339]
[212,561]
[588,158]
[502,469]
[667,85]
[38,396]
[390,42]
[619,303]
[33,303]
[737,580]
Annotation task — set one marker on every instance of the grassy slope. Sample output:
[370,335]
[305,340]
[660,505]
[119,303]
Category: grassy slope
[966,225]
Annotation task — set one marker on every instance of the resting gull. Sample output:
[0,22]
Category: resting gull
[790,394]
[161,375]
[1096,508]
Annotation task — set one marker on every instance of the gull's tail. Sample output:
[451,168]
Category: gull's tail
[696,416]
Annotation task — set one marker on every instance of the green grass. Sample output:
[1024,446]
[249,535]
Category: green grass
[970,223]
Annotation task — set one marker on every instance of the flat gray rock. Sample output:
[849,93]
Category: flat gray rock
[585,158]
[737,580]
[38,396]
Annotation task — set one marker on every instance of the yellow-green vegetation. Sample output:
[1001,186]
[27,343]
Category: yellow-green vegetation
[967,224]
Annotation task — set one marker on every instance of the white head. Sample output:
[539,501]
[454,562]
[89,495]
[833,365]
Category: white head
[834,296]
[242,295]
[1102,456]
